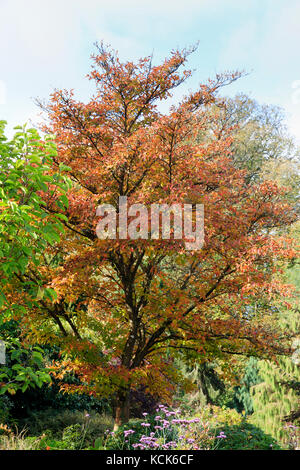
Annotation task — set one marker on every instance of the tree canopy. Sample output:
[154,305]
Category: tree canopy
[120,305]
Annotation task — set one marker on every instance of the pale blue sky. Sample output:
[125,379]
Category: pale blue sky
[47,43]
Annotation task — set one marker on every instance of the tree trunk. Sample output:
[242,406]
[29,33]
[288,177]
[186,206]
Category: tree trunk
[122,409]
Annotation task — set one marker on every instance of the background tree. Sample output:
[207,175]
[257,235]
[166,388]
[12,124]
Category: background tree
[26,229]
[242,398]
[263,148]
[261,139]
[272,400]
[206,384]
[276,398]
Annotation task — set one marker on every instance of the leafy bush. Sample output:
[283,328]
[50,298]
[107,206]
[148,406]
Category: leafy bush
[48,443]
[73,436]
[244,436]
[45,398]
[221,415]
[24,368]
[5,407]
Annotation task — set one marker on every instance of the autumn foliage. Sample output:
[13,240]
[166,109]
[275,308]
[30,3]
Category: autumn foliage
[125,308]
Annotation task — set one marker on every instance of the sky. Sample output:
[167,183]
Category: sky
[47,44]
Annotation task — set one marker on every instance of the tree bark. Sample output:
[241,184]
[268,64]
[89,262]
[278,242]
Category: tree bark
[122,409]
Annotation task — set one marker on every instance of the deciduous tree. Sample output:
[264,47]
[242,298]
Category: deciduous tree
[121,304]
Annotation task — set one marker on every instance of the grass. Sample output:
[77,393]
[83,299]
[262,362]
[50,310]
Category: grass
[54,422]
[18,441]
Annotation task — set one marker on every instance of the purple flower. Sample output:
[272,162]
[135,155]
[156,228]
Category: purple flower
[128,432]
[195,420]
[141,446]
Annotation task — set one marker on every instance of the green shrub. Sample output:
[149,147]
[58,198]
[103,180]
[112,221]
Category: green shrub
[5,407]
[244,436]
[217,415]
[48,443]
[73,436]
[116,441]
